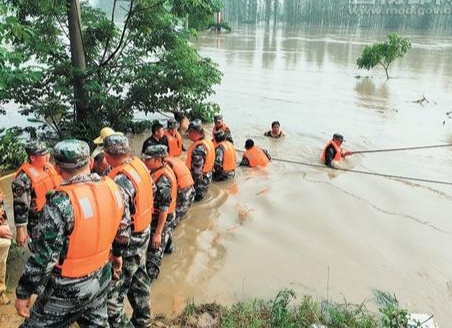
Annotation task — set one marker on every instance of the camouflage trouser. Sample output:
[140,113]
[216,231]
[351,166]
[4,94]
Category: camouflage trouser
[134,282]
[185,198]
[66,300]
[201,186]
[155,255]
[222,176]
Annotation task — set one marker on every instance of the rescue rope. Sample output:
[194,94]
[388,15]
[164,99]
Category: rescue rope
[366,172]
[393,176]
[399,149]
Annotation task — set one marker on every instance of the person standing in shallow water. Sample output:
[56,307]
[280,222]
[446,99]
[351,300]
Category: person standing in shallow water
[219,125]
[200,159]
[332,153]
[225,159]
[133,178]
[275,131]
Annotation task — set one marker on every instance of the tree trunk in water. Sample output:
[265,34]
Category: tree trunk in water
[78,59]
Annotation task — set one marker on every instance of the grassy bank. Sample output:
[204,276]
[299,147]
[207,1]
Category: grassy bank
[285,310]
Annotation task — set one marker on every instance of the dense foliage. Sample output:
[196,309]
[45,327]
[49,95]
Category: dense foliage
[347,13]
[12,150]
[142,63]
[384,53]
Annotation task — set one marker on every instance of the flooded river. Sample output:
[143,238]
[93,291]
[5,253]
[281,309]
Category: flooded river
[328,233]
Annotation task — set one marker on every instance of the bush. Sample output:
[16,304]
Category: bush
[12,150]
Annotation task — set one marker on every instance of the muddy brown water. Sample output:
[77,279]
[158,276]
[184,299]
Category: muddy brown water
[327,233]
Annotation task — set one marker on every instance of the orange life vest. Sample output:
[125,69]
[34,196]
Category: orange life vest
[256,157]
[98,208]
[138,173]
[181,171]
[338,149]
[41,181]
[166,171]
[174,143]
[210,157]
[229,159]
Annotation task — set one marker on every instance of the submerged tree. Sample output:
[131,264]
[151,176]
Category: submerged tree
[144,63]
[384,53]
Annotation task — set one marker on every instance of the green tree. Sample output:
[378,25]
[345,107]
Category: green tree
[384,53]
[143,63]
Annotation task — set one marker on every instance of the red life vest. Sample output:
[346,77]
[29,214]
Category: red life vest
[166,171]
[138,173]
[210,157]
[256,157]
[175,143]
[98,208]
[229,158]
[181,171]
[41,181]
[337,156]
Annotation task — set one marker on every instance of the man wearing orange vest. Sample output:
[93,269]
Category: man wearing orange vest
[5,242]
[133,178]
[164,206]
[173,138]
[254,155]
[332,153]
[200,159]
[219,125]
[185,187]
[82,225]
[225,159]
[29,187]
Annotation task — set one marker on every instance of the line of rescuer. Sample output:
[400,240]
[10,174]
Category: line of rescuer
[333,153]
[164,206]
[29,187]
[200,158]
[82,220]
[133,178]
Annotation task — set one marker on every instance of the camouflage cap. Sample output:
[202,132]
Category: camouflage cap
[71,154]
[116,145]
[36,147]
[160,151]
[218,118]
[195,125]
[171,124]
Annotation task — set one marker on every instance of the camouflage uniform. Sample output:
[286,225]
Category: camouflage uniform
[218,172]
[162,202]
[65,300]
[185,199]
[134,281]
[226,130]
[202,180]
[24,195]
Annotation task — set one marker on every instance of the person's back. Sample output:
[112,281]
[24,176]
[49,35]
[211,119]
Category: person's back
[131,175]
[82,221]
[225,159]
[200,159]
[254,156]
[186,189]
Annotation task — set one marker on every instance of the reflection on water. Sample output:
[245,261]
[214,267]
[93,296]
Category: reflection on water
[289,224]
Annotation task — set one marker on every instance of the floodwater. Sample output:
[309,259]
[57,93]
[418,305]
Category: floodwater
[333,234]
